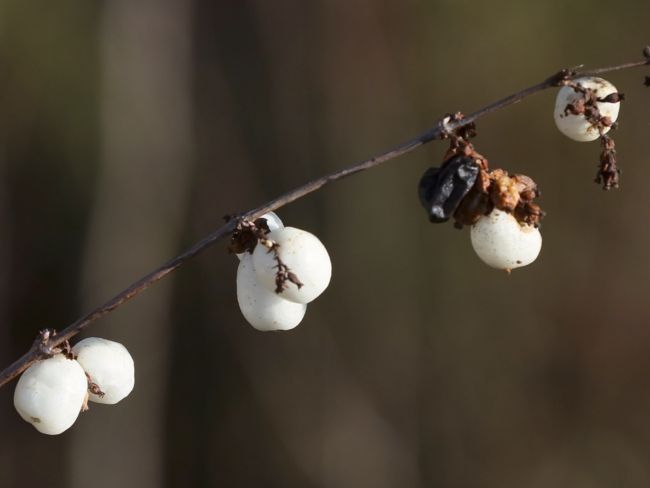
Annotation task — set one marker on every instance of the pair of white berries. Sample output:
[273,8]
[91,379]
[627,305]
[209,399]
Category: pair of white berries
[304,255]
[498,238]
[51,393]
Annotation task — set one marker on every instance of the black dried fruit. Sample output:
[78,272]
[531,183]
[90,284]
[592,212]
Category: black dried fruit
[441,190]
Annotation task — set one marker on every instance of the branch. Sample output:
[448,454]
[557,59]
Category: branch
[48,342]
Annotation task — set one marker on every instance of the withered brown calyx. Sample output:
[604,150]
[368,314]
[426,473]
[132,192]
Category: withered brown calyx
[247,234]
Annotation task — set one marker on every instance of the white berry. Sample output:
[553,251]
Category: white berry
[503,243]
[264,309]
[50,394]
[272,221]
[577,127]
[109,366]
[306,258]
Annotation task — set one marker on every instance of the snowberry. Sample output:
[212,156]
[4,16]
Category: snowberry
[272,221]
[578,127]
[503,243]
[50,394]
[109,366]
[264,309]
[303,254]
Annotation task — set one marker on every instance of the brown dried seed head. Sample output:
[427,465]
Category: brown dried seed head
[608,172]
[526,187]
[504,194]
[245,237]
[529,213]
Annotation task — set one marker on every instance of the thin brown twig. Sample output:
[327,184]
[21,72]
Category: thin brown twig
[45,345]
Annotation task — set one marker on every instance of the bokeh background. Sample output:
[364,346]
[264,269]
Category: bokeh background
[129,128]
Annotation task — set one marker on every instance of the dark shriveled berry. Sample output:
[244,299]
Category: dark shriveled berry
[441,190]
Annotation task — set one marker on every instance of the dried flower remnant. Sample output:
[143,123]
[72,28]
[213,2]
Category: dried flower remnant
[247,234]
[608,171]
[293,256]
[283,275]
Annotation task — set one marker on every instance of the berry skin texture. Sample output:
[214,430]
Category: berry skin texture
[578,127]
[109,366]
[50,394]
[305,256]
[503,243]
[265,310]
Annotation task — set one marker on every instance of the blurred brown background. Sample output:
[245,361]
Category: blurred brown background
[129,128]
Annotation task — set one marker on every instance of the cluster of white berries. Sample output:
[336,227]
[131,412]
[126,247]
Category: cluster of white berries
[51,393]
[286,268]
[267,304]
[577,126]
